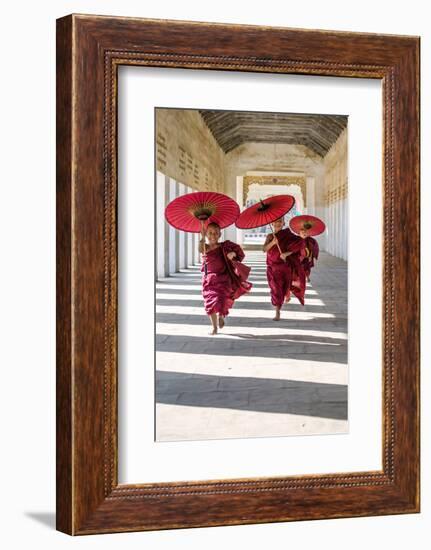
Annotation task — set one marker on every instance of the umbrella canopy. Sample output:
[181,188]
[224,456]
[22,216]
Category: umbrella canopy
[187,212]
[312,225]
[265,211]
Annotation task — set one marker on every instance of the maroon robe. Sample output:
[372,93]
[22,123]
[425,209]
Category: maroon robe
[286,277]
[308,261]
[222,281]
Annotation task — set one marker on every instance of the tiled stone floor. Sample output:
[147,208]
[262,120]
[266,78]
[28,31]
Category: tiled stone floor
[257,377]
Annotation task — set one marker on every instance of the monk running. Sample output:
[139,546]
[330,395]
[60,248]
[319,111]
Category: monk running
[284,270]
[224,277]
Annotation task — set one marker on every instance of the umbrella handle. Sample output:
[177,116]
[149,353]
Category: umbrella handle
[273,234]
[205,244]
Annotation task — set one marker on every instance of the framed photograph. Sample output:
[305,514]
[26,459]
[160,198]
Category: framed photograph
[237,274]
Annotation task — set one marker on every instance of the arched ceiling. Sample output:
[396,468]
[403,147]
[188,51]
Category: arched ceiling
[232,128]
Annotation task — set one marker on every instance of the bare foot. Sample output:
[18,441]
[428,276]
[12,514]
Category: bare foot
[213,332]
[221,321]
[277,315]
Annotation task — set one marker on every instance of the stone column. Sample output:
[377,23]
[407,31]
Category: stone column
[160,223]
[173,233]
[310,207]
[321,210]
[229,232]
[343,251]
[168,229]
[240,200]
[177,233]
[182,263]
[192,248]
[196,255]
[189,240]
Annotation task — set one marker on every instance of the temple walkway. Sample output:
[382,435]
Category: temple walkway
[257,377]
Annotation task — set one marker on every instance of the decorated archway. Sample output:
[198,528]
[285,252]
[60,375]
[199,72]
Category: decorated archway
[256,188]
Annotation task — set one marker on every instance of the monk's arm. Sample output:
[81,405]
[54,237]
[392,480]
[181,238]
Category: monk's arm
[270,241]
[284,255]
[202,246]
[239,253]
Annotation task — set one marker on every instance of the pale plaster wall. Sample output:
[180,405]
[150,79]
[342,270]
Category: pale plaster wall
[269,157]
[187,151]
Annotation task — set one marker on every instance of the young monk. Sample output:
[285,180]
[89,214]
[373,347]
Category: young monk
[222,282]
[311,252]
[284,270]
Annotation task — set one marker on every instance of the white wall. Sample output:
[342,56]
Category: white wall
[336,228]
[336,203]
[27,276]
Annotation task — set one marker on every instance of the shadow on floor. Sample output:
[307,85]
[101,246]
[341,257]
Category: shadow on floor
[252,394]
[194,292]
[279,346]
[242,303]
[332,324]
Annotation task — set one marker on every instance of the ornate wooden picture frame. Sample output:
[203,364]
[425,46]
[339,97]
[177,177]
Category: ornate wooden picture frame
[89,51]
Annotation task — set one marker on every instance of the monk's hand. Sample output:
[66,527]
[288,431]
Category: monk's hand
[274,241]
[231,255]
[284,255]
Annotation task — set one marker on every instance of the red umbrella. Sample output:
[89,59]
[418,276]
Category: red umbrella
[310,224]
[264,212]
[189,212]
